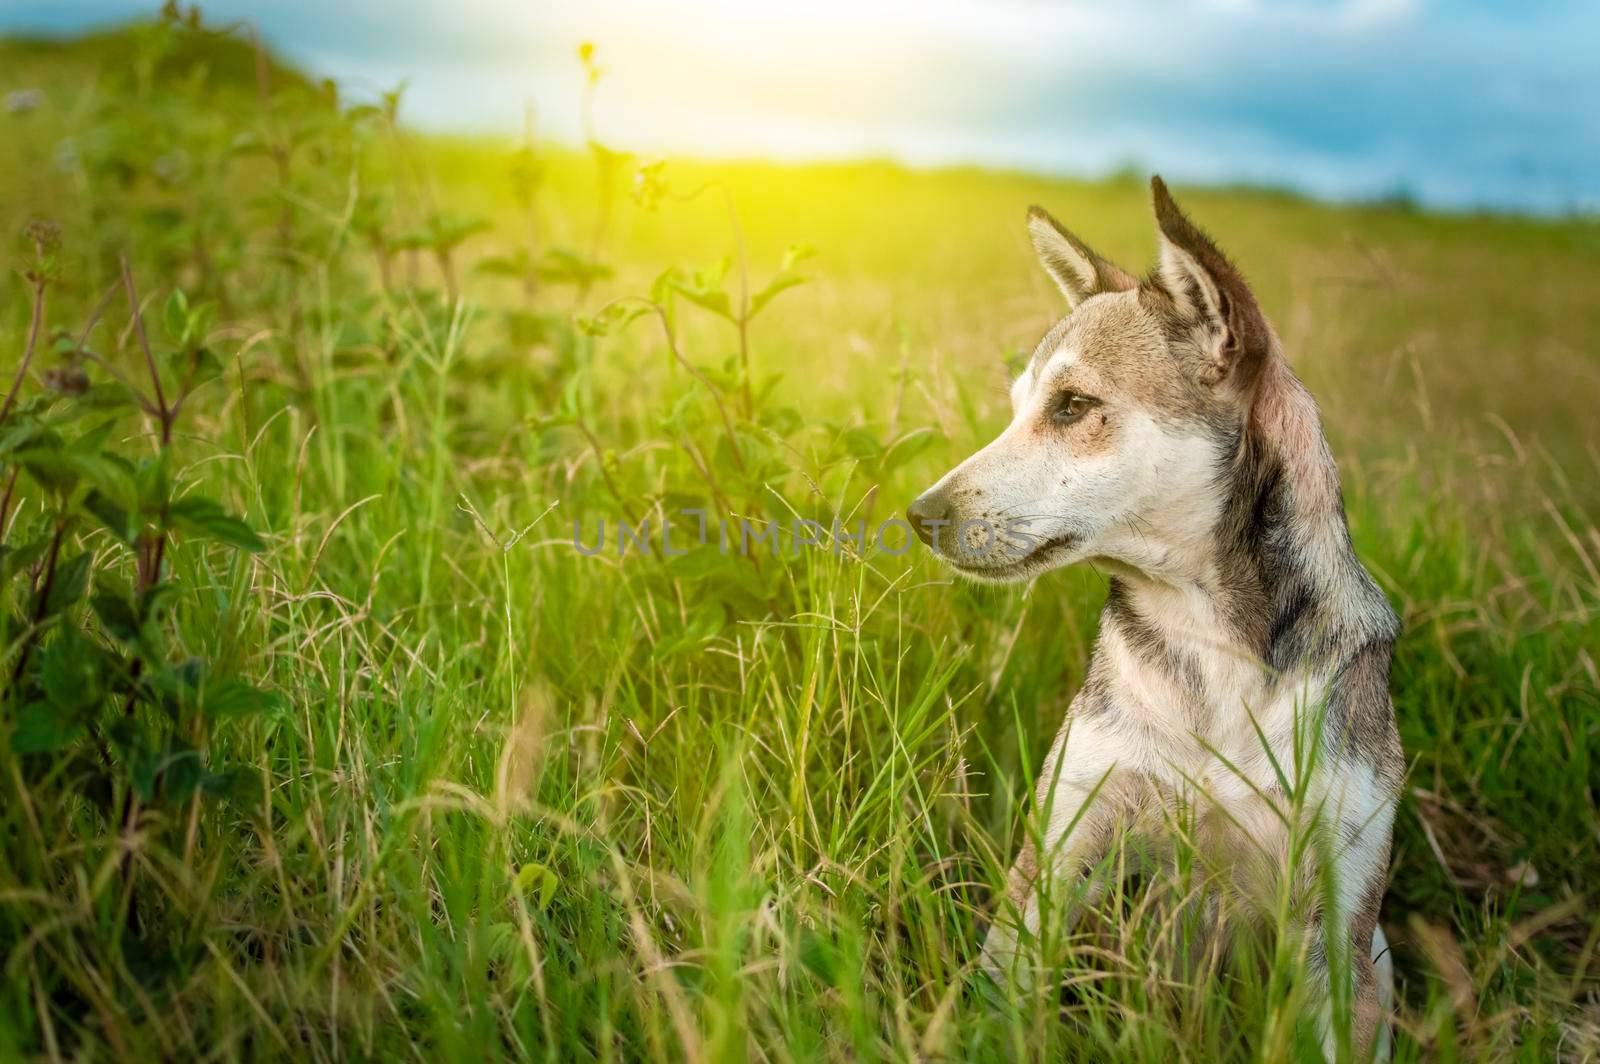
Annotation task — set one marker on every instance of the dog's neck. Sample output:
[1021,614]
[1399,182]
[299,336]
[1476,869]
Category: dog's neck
[1267,572]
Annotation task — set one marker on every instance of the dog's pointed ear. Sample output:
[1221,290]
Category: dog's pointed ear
[1076,270]
[1210,296]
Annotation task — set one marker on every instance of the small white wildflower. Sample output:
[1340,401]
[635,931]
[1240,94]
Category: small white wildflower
[171,168]
[23,100]
[1523,874]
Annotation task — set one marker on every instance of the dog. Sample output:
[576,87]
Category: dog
[1159,433]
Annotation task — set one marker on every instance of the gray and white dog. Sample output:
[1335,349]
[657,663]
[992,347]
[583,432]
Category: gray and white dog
[1159,432]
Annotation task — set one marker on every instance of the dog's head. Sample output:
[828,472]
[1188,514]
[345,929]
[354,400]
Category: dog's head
[1120,420]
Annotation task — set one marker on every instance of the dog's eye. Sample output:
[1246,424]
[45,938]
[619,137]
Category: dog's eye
[1071,407]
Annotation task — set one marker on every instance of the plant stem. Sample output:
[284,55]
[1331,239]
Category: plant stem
[5,501]
[149,555]
[163,411]
[605,474]
[744,305]
[27,352]
[448,269]
[43,602]
[690,368]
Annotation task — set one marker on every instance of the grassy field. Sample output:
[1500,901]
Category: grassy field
[322,741]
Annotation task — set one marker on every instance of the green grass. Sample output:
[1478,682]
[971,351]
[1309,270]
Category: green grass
[515,801]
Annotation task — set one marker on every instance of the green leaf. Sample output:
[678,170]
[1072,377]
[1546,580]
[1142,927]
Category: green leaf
[111,516]
[537,883]
[107,395]
[819,957]
[25,432]
[785,279]
[515,265]
[781,283]
[662,287]
[14,560]
[175,317]
[861,443]
[204,365]
[116,614]
[710,278]
[906,448]
[41,729]
[782,421]
[705,290]
[92,441]
[240,787]
[156,599]
[71,579]
[527,329]
[70,674]
[235,698]
[446,229]
[207,519]
[603,321]
[129,737]
[707,622]
[181,771]
[64,467]
[716,302]
[795,254]
[50,467]
[410,241]
[152,484]
[564,266]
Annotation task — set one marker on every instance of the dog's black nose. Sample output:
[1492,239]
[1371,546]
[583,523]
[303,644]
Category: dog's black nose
[929,513]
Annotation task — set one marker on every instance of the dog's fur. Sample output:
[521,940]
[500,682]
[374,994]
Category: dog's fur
[1240,629]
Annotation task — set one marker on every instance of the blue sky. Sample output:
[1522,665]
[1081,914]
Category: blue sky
[1462,105]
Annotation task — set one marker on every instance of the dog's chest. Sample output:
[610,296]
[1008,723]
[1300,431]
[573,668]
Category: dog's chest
[1220,722]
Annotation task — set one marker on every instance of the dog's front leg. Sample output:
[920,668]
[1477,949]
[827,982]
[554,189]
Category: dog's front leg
[1075,816]
[1360,873]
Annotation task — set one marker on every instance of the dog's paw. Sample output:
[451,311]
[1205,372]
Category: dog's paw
[990,990]
[1005,962]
